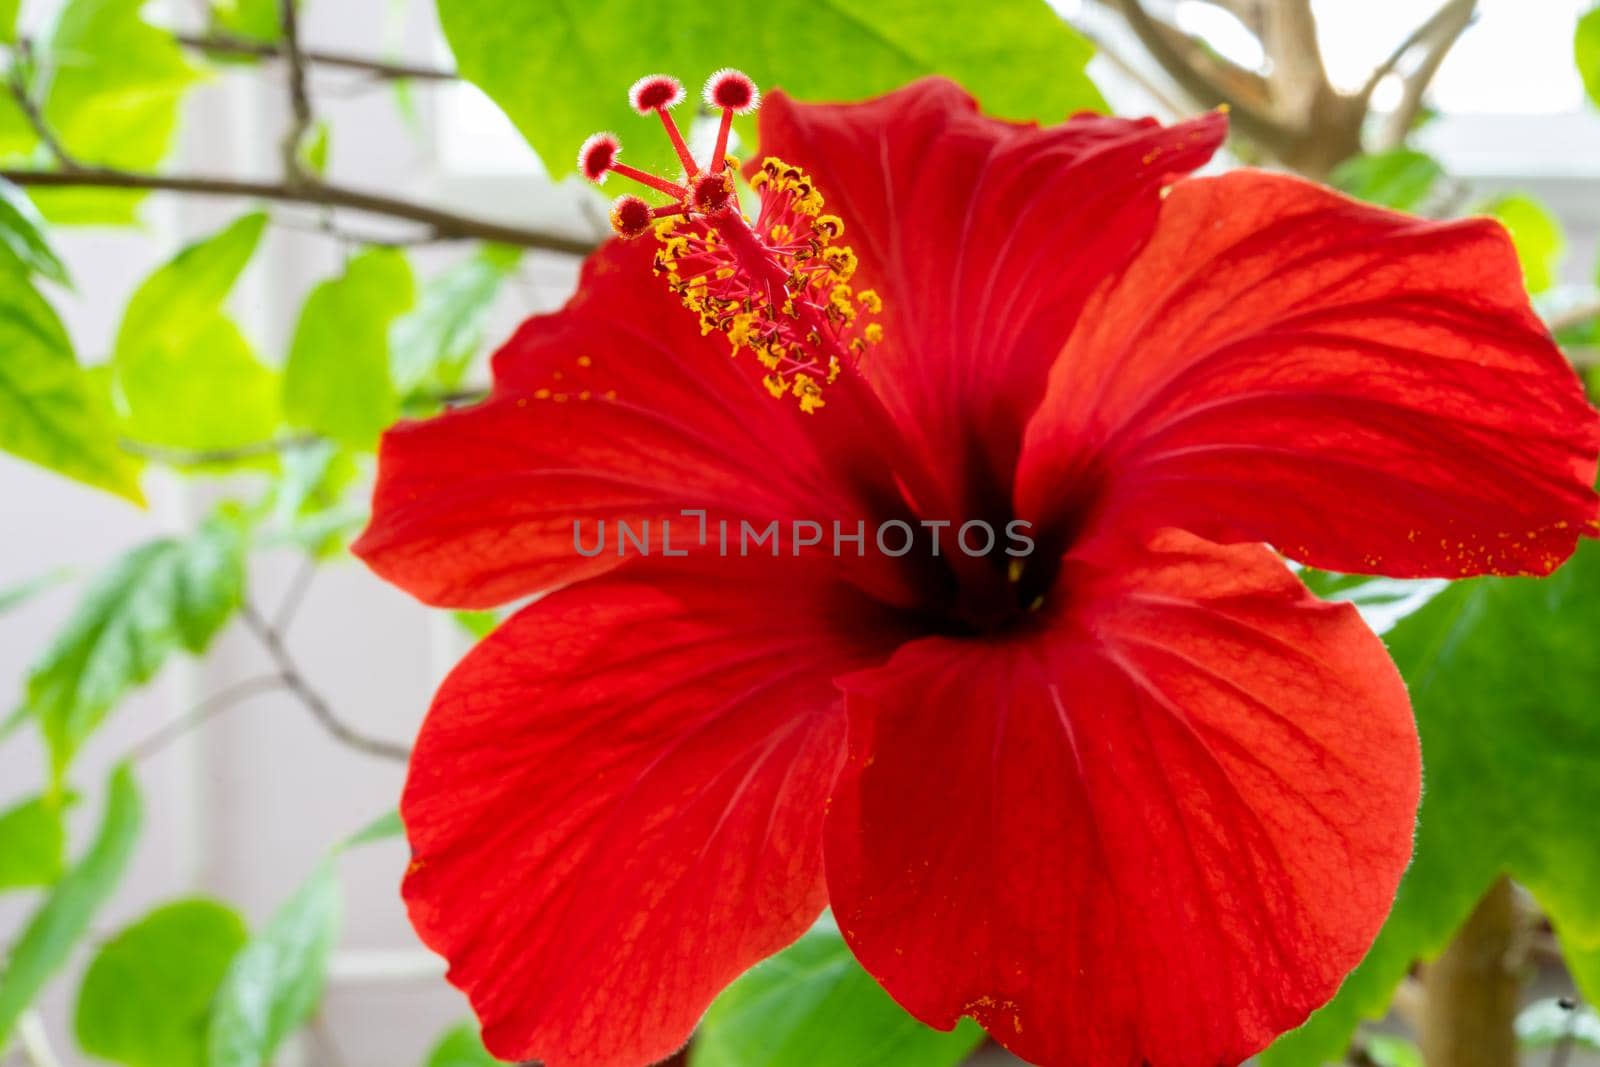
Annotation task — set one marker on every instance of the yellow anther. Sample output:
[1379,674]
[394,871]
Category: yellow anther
[870,300]
[832,226]
[775,385]
[873,333]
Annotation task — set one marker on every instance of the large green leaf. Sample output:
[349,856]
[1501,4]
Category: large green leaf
[64,915]
[1504,680]
[1586,47]
[561,68]
[184,373]
[338,380]
[1536,234]
[811,1004]
[461,1047]
[157,598]
[259,20]
[275,982]
[22,234]
[1400,178]
[434,344]
[146,999]
[32,843]
[50,411]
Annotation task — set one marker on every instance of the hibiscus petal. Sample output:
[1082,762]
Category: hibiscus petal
[616,801]
[1158,829]
[1368,392]
[984,238]
[615,407]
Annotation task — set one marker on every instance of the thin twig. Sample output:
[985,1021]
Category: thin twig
[186,457]
[299,585]
[207,709]
[314,702]
[294,167]
[1576,317]
[31,111]
[444,225]
[1447,27]
[221,44]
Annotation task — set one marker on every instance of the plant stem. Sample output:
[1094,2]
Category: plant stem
[1470,1007]
[221,44]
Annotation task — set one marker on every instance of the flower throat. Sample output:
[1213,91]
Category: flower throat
[778,285]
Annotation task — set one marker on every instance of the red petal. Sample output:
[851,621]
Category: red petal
[616,407]
[983,237]
[615,805]
[1367,391]
[1159,829]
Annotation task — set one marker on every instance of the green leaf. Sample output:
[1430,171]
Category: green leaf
[8,20]
[185,375]
[258,20]
[434,344]
[561,69]
[1400,178]
[1385,1050]
[1586,47]
[17,595]
[338,380]
[1536,235]
[461,1047]
[33,843]
[113,97]
[50,411]
[384,827]
[479,624]
[64,915]
[314,153]
[308,504]
[1555,1021]
[146,998]
[160,597]
[276,980]
[1502,674]
[811,1004]
[22,233]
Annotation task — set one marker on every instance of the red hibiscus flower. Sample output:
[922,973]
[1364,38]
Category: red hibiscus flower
[1131,796]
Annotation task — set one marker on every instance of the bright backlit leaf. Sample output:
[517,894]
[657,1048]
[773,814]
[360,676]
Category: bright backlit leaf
[22,234]
[259,20]
[50,411]
[1401,178]
[1503,675]
[811,1004]
[1587,49]
[461,1047]
[1536,234]
[186,376]
[561,71]
[32,843]
[64,915]
[158,598]
[146,998]
[115,85]
[276,980]
[434,344]
[338,380]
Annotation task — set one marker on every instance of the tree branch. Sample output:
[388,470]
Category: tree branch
[207,709]
[1437,36]
[294,167]
[321,710]
[442,224]
[222,44]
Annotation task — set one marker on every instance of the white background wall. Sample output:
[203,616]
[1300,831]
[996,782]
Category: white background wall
[244,807]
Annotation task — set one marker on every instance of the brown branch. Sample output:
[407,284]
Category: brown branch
[31,111]
[1298,77]
[1442,32]
[320,708]
[207,709]
[225,45]
[294,168]
[444,225]
[1471,991]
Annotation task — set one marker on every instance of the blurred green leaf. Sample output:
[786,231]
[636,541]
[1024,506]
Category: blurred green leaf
[1536,234]
[157,598]
[434,344]
[33,843]
[64,915]
[338,380]
[146,998]
[184,373]
[315,151]
[811,1004]
[17,595]
[275,982]
[1551,1022]
[8,20]
[538,61]
[50,411]
[1400,178]
[23,235]
[479,624]
[1586,47]
[258,20]
[384,827]
[114,86]
[1386,1050]
[461,1047]
[1503,675]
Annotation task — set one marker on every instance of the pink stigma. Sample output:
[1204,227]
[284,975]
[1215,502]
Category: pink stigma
[655,92]
[631,217]
[732,90]
[597,155]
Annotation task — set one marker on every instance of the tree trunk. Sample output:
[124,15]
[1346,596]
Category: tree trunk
[1470,992]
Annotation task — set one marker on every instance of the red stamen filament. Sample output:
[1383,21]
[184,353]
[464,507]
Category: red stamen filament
[719,155]
[689,166]
[660,185]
